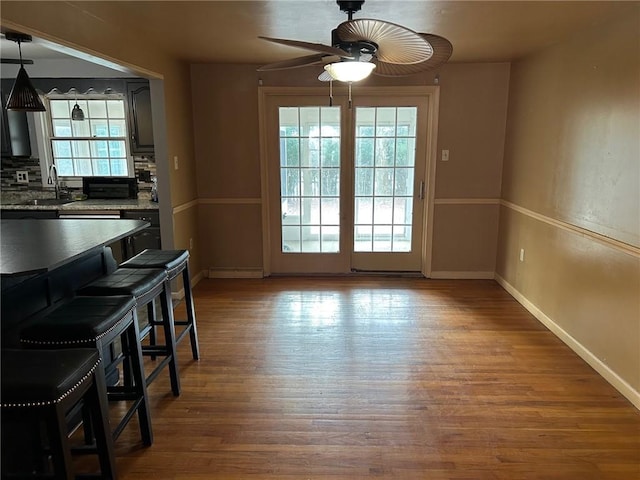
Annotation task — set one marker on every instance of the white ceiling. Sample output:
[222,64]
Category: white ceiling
[227,31]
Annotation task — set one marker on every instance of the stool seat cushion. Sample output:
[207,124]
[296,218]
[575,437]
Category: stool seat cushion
[82,320]
[44,377]
[151,258]
[126,281]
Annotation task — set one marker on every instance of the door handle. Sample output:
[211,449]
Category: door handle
[421,191]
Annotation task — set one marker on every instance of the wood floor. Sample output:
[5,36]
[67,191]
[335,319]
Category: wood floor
[403,378]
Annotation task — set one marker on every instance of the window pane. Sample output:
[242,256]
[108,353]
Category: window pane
[290,239]
[115,108]
[330,214]
[311,239]
[385,152]
[289,182]
[404,182]
[364,181]
[402,238]
[97,109]
[364,152]
[310,211]
[402,210]
[117,149]
[119,167]
[61,128]
[101,167]
[309,147]
[289,122]
[310,121]
[382,211]
[386,121]
[117,128]
[291,211]
[330,182]
[363,241]
[99,148]
[59,109]
[81,148]
[330,236]
[384,181]
[61,148]
[405,152]
[364,211]
[289,152]
[310,182]
[65,166]
[83,167]
[80,129]
[407,119]
[99,128]
[330,152]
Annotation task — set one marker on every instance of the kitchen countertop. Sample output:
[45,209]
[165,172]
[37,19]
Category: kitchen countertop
[88,205]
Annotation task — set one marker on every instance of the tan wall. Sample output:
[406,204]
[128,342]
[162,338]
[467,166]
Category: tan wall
[472,119]
[572,156]
[98,28]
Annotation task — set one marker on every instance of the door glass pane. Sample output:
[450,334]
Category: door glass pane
[310,179]
[384,178]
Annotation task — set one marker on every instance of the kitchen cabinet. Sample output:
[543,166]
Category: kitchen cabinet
[21,214]
[147,238]
[15,132]
[140,120]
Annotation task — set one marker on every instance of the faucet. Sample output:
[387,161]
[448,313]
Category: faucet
[53,179]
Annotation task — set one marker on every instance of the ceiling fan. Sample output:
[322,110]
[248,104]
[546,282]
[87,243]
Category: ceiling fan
[364,46]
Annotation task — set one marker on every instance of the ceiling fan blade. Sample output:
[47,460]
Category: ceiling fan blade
[293,63]
[316,47]
[324,76]
[16,61]
[396,44]
[442,50]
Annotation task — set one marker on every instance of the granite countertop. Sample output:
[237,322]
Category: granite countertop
[116,204]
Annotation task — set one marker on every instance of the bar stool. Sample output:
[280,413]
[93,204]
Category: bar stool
[42,387]
[145,285]
[174,262]
[98,322]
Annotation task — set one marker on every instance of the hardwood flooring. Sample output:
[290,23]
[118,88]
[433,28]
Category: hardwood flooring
[374,377]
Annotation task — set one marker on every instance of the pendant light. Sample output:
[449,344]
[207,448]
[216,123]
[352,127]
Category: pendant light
[23,96]
[76,113]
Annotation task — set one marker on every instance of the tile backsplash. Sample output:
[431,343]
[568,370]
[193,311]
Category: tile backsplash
[145,169]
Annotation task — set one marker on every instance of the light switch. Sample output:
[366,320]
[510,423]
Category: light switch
[175,162]
[445,155]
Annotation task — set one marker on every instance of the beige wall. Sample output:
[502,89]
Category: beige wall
[472,121]
[571,179]
[97,28]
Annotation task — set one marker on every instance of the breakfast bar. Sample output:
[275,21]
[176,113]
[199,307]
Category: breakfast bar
[43,262]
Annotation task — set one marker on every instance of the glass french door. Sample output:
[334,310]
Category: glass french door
[345,184]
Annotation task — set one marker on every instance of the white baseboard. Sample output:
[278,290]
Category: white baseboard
[463,275]
[609,375]
[235,273]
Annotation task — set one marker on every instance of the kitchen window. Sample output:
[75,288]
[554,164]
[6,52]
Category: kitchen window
[95,146]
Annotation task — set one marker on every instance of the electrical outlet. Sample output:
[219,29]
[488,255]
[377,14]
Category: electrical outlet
[522,254]
[22,176]
[175,162]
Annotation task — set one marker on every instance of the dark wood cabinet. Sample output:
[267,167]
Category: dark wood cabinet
[147,238]
[140,120]
[15,132]
[22,214]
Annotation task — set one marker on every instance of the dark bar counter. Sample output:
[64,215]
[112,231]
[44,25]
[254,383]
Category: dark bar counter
[44,262]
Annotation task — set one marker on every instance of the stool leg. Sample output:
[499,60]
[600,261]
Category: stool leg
[191,313]
[97,397]
[151,318]
[137,372]
[170,336]
[59,443]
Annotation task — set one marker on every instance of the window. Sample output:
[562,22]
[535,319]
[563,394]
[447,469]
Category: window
[95,146]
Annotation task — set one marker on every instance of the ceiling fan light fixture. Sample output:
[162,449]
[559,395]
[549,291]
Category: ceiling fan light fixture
[353,71]
[23,96]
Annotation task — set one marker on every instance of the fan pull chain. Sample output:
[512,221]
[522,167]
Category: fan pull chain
[331,93]
[349,95]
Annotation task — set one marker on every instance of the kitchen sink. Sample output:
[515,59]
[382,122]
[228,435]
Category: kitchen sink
[47,201]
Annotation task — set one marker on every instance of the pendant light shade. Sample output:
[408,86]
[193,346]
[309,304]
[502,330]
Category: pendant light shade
[23,96]
[77,114]
[349,71]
